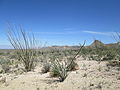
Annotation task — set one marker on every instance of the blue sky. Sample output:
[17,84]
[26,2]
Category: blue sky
[62,22]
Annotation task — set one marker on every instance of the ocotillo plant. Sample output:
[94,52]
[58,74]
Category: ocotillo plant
[25,46]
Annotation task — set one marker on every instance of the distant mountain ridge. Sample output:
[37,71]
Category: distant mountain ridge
[93,45]
[98,43]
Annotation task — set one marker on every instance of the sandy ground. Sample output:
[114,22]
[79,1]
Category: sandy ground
[90,76]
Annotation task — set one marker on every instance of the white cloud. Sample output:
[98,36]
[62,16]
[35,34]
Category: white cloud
[57,33]
[100,33]
[75,32]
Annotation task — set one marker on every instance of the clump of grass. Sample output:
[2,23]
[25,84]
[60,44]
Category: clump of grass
[5,65]
[58,69]
[5,61]
[46,67]
[54,70]
[5,68]
[24,45]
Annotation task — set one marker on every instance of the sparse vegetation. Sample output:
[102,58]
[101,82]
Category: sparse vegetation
[5,65]
[59,69]
[25,47]
[46,67]
[56,62]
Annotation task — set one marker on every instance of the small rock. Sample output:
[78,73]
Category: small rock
[91,84]
[2,79]
[118,78]
[84,75]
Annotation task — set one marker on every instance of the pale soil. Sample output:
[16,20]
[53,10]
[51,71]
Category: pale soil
[90,76]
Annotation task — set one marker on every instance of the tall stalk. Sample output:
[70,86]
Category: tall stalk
[25,46]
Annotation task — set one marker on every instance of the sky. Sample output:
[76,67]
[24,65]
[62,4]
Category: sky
[62,22]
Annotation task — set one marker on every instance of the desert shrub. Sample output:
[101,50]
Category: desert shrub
[104,54]
[98,54]
[24,45]
[5,61]
[1,53]
[58,69]
[46,67]
[53,71]
[71,65]
[115,52]
[114,63]
[55,55]
[110,54]
[5,68]
[12,55]
[54,68]
[5,64]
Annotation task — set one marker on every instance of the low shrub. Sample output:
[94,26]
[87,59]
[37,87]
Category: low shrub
[45,68]
[71,65]
[114,63]
[5,65]
[24,45]
[58,69]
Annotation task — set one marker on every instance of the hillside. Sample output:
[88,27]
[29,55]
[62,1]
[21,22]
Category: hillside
[97,43]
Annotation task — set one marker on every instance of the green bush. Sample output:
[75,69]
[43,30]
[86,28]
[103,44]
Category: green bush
[46,67]
[5,61]
[58,69]
[5,65]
